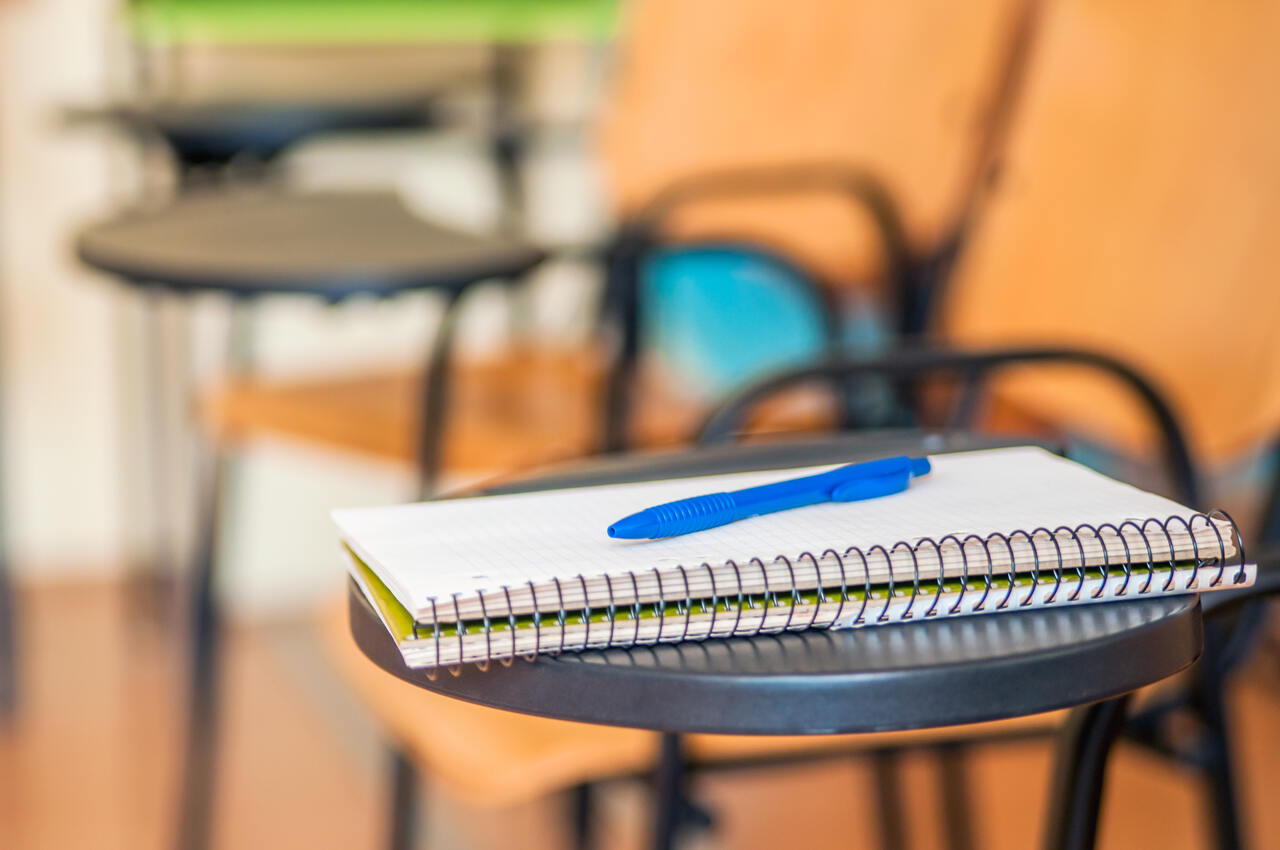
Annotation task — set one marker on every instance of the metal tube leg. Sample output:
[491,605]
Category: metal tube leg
[1224,815]
[205,633]
[888,789]
[152,589]
[668,788]
[202,709]
[507,144]
[581,820]
[617,401]
[435,398]
[955,802]
[1080,767]
[625,308]
[403,823]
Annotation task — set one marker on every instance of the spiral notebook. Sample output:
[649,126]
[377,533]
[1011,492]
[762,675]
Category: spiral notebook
[496,577]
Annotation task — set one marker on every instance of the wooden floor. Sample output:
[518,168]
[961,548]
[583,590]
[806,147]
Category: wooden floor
[92,761]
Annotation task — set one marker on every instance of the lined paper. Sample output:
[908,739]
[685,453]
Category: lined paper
[435,553]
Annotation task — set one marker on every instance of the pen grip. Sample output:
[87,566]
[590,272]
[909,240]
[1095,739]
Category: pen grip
[696,514]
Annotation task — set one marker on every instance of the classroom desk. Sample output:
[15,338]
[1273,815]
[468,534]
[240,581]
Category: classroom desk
[899,677]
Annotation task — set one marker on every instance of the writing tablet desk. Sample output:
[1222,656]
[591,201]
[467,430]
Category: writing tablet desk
[890,678]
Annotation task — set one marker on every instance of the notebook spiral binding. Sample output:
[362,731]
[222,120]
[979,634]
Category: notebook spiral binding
[923,597]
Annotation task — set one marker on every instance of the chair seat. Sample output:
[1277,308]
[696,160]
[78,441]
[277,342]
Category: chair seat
[328,244]
[512,411]
[506,412]
[497,758]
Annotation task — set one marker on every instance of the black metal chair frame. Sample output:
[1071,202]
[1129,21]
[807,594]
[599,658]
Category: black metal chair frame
[641,236]
[1231,620]
[1086,740]
[675,811]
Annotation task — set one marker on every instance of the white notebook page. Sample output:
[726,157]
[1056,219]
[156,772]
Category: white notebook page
[469,546]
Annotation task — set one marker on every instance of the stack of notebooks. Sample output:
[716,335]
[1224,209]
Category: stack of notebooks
[499,577]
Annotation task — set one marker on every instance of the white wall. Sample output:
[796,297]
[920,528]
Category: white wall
[64,475]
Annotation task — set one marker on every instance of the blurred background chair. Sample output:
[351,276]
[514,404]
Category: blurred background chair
[1183,202]
[1044,264]
[1185,721]
[245,244]
[249,238]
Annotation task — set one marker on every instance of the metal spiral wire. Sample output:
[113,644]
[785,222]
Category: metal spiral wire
[844,579]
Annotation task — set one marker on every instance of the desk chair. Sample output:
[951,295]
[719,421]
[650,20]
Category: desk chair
[1097,236]
[1228,625]
[1082,763]
[561,755]
[459,747]
[1080,245]
[244,244]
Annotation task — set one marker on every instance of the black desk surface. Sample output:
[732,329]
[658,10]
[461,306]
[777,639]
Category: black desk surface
[909,676]
[328,244]
[217,130]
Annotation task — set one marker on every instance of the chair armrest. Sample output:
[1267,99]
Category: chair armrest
[858,186]
[642,232]
[973,366]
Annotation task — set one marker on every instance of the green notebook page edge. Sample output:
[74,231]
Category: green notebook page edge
[395,617]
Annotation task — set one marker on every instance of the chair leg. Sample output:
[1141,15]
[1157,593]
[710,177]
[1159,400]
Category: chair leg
[403,820]
[668,788]
[582,815]
[435,392]
[1080,769]
[507,142]
[198,779]
[1216,742]
[888,791]
[955,798]
[624,307]
[151,590]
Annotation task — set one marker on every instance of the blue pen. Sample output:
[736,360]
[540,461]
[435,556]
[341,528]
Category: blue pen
[844,484]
